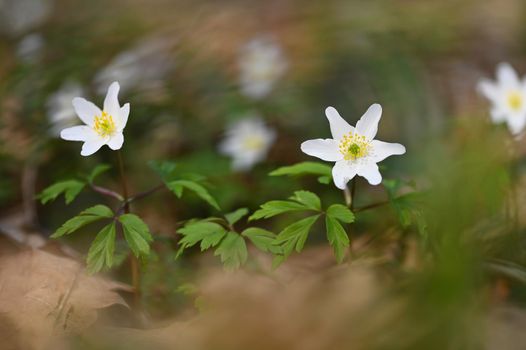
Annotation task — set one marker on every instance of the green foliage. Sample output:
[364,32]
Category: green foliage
[236,215]
[165,169]
[408,207]
[70,189]
[340,212]
[262,239]
[301,200]
[232,251]
[295,235]
[323,171]
[100,254]
[137,234]
[337,237]
[98,170]
[208,233]
[177,187]
[87,216]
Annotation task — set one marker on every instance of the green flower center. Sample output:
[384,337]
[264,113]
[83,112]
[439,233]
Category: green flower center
[104,125]
[354,146]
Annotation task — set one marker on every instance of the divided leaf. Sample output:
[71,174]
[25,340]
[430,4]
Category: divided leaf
[232,250]
[341,212]
[178,186]
[274,208]
[208,233]
[137,234]
[309,199]
[100,254]
[304,168]
[295,235]
[235,216]
[262,239]
[87,216]
[337,237]
[165,169]
[99,169]
[70,189]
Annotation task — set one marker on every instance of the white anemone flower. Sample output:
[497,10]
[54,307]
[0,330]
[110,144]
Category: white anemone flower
[508,98]
[101,127]
[354,149]
[247,142]
[261,64]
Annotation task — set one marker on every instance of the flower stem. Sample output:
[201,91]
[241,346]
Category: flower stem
[134,262]
[349,194]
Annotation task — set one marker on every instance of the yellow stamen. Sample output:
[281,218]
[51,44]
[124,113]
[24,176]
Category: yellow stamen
[253,143]
[354,146]
[515,100]
[104,125]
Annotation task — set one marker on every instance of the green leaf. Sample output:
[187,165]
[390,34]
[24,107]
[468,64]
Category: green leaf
[324,180]
[337,237]
[235,216]
[341,212]
[165,169]
[232,250]
[70,188]
[208,233]
[137,234]
[274,208]
[309,199]
[304,168]
[100,254]
[87,216]
[99,169]
[177,187]
[262,239]
[295,235]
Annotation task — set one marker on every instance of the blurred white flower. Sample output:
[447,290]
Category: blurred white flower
[353,149]
[143,66]
[60,110]
[247,141]
[19,16]
[102,127]
[261,64]
[508,98]
[29,49]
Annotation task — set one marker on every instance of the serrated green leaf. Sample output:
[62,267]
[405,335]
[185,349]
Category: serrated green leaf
[341,212]
[337,237]
[274,208]
[262,239]
[309,199]
[235,216]
[232,250]
[304,168]
[208,233]
[87,216]
[100,254]
[295,235]
[177,187]
[165,169]
[99,169]
[137,234]
[70,188]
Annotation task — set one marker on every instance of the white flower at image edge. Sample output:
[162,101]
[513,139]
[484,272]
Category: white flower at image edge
[101,127]
[247,142]
[354,149]
[508,98]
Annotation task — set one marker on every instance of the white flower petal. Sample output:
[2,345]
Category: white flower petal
[339,126]
[342,173]
[516,123]
[371,173]
[125,112]
[86,110]
[325,149]
[111,102]
[507,76]
[368,123]
[489,89]
[383,150]
[498,115]
[116,141]
[91,146]
[77,133]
